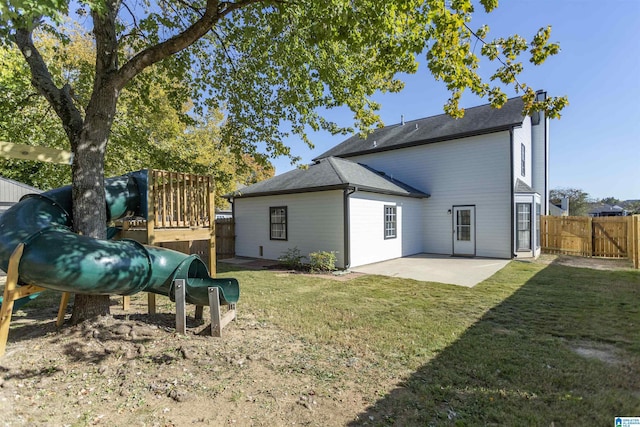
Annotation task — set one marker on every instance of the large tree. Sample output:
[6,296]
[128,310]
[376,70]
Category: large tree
[578,200]
[268,64]
[148,132]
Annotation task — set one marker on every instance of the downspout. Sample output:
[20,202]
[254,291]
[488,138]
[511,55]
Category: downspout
[346,226]
[546,166]
[513,198]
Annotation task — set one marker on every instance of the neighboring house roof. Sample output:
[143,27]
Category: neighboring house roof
[476,121]
[522,187]
[328,174]
[606,209]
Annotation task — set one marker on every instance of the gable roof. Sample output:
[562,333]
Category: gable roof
[476,121]
[329,174]
[522,187]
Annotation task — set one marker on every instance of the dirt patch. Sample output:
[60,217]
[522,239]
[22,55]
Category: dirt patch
[602,352]
[132,369]
[582,262]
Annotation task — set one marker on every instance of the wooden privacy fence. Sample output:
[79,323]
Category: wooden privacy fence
[608,237]
[225,238]
[225,241]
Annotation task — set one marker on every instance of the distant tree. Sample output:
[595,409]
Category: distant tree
[610,201]
[578,200]
[632,206]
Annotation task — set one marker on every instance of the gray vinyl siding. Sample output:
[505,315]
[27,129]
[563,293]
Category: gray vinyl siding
[11,192]
[314,223]
[468,171]
[368,243]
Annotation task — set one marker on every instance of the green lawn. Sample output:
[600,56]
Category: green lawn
[535,344]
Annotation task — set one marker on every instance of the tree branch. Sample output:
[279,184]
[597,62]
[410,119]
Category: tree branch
[193,8]
[60,99]
[507,66]
[104,30]
[215,10]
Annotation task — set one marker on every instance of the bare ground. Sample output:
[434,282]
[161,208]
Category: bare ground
[132,369]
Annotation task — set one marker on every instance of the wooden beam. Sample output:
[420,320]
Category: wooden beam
[7,302]
[181,311]
[151,207]
[211,197]
[164,235]
[214,308]
[151,303]
[218,320]
[64,300]
[12,293]
[9,150]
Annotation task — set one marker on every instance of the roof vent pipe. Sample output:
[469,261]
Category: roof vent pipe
[402,119]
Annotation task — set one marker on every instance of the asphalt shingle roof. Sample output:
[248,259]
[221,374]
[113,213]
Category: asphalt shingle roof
[522,187]
[476,121]
[326,174]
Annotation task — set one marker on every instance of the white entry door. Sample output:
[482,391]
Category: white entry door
[464,233]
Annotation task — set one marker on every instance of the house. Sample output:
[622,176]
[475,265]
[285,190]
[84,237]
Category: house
[11,191]
[474,186]
[559,210]
[607,210]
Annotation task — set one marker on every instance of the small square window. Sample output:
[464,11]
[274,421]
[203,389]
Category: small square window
[278,223]
[390,222]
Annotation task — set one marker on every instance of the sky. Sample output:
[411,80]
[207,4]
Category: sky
[595,146]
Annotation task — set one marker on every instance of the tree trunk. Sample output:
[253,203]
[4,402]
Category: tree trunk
[89,204]
[89,306]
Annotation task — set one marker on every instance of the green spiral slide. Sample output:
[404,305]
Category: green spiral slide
[56,258]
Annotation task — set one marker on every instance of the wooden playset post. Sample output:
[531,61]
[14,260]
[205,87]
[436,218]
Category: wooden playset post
[12,293]
[151,221]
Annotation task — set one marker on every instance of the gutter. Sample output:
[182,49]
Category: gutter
[345,186]
[346,222]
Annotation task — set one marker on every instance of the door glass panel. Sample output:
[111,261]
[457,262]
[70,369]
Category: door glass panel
[463,227]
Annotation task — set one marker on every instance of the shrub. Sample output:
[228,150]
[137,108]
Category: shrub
[292,258]
[322,261]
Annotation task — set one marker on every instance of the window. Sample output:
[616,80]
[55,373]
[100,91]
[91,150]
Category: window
[278,223]
[523,163]
[390,222]
[523,238]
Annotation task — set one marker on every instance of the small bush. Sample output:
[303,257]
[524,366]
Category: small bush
[292,258]
[322,261]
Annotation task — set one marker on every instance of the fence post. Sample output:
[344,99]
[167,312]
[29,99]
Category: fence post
[635,226]
[590,237]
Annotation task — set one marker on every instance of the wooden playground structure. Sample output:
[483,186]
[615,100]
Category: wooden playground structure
[180,211]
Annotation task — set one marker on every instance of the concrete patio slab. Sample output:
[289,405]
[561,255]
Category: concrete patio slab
[437,268]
